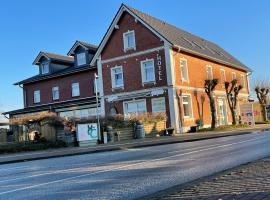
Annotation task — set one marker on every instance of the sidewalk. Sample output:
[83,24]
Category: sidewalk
[249,181]
[187,137]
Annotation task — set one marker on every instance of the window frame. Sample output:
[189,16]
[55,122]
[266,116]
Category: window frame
[211,70]
[190,106]
[182,77]
[143,75]
[77,60]
[42,68]
[243,80]
[158,99]
[125,109]
[114,86]
[233,73]
[125,40]
[37,100]
[72,89]
[58,92]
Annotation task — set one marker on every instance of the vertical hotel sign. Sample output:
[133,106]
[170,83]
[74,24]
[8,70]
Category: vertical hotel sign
[159,67]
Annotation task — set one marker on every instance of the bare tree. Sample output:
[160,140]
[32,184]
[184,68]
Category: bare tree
[232,90]
[262,90]
[209,87]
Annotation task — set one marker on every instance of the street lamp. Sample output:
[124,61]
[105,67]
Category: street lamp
[97,113]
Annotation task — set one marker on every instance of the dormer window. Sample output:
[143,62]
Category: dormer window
[81,59]
[129,40]
[44,68]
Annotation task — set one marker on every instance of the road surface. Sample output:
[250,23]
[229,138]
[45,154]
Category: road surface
[129,173]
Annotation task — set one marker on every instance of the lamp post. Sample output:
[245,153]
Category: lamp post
[97,113]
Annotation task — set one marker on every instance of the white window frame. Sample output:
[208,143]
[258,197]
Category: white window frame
[234,74]
[126,42]
[114,86]
[126,114]
[223,75]
[55,89]
[79,59]
[43,71]
[243,80]
[37,96]
[211,70]
[182,77]
[158,99]
[190,106]
[143,75]
[73,87]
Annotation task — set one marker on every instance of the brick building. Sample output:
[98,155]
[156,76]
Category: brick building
[144,65]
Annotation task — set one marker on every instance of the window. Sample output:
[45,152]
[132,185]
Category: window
[233,75]
[134,107]
[45,68]
[129,40]
[75,89]
[222,76]
[209,73]
[242,80]
[37,96]
[117,77]
[158,105]
[184,69]
[148,71]
[55,93]
[186,100]
[81,59]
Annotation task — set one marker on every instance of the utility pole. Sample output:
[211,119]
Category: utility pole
[97,109]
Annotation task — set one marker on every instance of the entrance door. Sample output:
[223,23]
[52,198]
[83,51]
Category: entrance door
[222,112]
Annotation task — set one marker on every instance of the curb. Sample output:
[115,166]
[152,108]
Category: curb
[136,144]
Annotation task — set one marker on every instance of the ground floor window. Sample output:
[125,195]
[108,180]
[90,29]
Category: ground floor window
[158,105]
[135,107]
[187,108]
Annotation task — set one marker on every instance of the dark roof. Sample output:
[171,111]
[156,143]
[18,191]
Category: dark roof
[53,106]
[66,71]
[54,57]
[188,41]
[84,44]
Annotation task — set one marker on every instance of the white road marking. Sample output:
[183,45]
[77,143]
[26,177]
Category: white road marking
[124,166]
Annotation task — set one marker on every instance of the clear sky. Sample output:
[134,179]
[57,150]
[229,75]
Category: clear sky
[241,27]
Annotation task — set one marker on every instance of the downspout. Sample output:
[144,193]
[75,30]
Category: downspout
[24,95]
[248,74]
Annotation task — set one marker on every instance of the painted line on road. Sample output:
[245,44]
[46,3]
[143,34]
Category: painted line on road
[138,161]
[117,168]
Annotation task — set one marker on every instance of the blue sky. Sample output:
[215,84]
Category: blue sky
[241,27]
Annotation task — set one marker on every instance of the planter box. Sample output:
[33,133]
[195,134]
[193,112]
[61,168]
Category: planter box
[126,133]
[153,129]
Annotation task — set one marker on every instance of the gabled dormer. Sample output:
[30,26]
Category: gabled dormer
[49,62]
[82,52]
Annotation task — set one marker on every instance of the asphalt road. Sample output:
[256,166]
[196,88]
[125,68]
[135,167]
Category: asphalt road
[130,173]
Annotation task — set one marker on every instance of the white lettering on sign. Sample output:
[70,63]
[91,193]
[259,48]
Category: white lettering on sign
[159,66]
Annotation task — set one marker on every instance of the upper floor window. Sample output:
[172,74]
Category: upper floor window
[55,93]
[75,89]
[129,40]
[44,68]
[233,75]
[184,69]
[148,71]
[222,76]
[209,72]
[81,59]
[117,77]
[37,96]
[242,81]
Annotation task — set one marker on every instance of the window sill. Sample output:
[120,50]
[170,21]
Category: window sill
[129,49]
[118,88]
[148,83]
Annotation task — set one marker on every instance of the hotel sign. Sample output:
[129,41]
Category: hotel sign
[159,67]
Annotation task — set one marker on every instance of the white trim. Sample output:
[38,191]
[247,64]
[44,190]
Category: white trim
[125,40]
[111,28]
[55,88]
[244,81]
[38,98]
[174,109]
[132,55]
[143,70]
[169,65]
[113,77]
[182,79]
[191,106]
[72,91]
[233,73]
